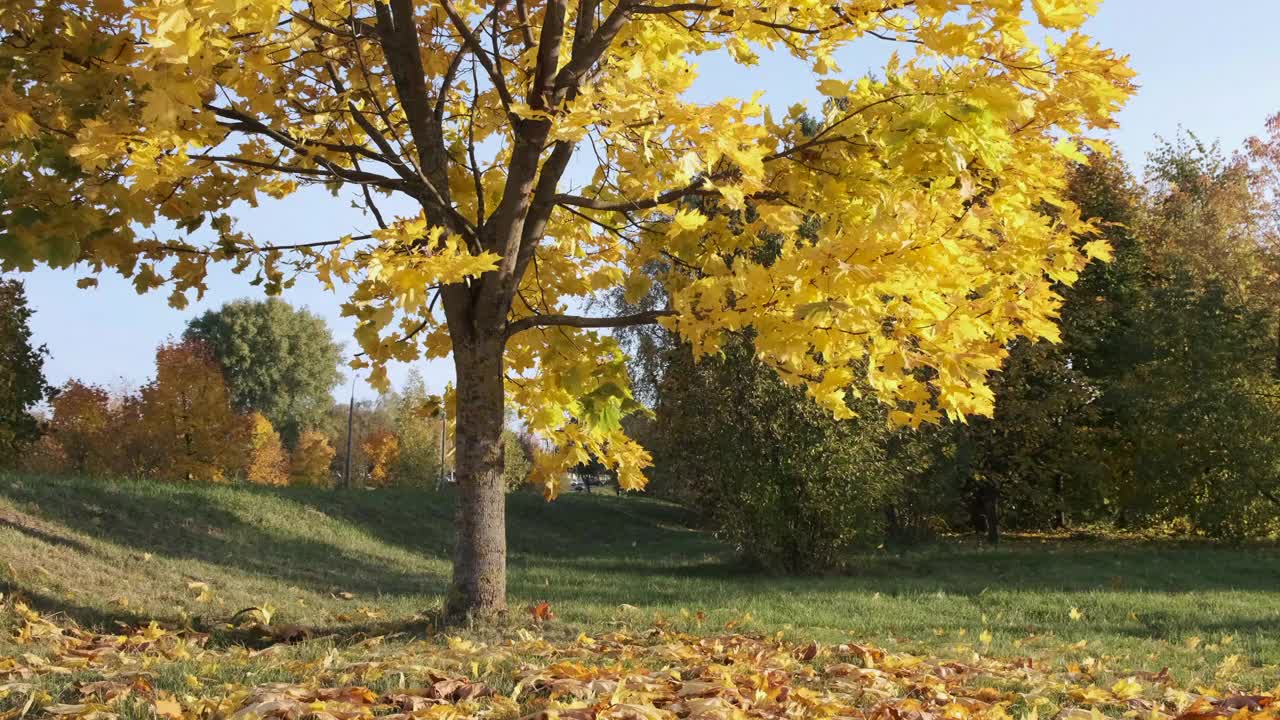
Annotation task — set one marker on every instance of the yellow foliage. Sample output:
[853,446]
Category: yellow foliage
[266,462]
[381,449]
[79,431]
[187,416]
[311,459]
[179,426]
[920,228]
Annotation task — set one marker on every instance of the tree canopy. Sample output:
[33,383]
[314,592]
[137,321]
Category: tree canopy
[278,360]
[936,189]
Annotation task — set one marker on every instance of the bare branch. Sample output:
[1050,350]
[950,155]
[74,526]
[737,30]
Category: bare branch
[469,37]
[648,317]
[592,50]
[674,7]
[192,250]
[585,26]
[522,14]
[544,203]
[543,88]
[642,204]
[334,171]
[399,37]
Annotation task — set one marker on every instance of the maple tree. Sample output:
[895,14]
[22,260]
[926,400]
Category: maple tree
[416,421]
[187,416]
[266,461]
[935,188]
[381,449]
[1193,391]
[309,464]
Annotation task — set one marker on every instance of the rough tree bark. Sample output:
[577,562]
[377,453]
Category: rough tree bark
[479,585]
[991,502]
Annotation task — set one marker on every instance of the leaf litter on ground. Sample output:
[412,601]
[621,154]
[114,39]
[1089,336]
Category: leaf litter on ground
[650,673]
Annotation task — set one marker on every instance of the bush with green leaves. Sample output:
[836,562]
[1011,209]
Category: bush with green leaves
[770,471]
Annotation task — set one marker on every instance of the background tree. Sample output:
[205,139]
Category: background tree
[266,461]
[1194,398]
[1158,408]
[188,416]
[1031,464]
[517,461]
[1262,158]
[381,449]
[311,461]
[367,416]
[931,185]
[81,423]
[22,383]
[1155,409]
[135,452]
[416,417]
[277,360]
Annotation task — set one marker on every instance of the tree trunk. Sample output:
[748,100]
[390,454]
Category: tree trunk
[892,525]
[479,586]
[1060,516]
[991,507]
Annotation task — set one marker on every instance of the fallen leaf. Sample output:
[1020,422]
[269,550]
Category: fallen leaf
[167,709]
[541,612]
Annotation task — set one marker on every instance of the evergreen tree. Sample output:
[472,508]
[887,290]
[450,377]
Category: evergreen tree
[22,382]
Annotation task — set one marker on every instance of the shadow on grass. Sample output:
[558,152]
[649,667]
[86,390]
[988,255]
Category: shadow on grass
[182,523]
[49,536]
[219,631]
[1018,567]
[420,521]
[591,550]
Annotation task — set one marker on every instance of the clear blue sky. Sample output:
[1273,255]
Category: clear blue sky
[1221,84]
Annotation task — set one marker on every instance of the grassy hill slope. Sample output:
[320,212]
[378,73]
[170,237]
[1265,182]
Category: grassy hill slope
[373,561]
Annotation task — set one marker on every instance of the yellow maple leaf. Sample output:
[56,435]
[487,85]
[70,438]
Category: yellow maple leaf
[167,709]
[1099,250]
[1064,14]
[687,220]
[1127,688]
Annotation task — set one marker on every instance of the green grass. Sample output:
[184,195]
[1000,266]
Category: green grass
[373,562]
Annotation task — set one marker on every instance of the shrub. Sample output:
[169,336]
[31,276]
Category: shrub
[772,472]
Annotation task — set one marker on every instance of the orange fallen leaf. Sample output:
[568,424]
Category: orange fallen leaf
[542,612]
